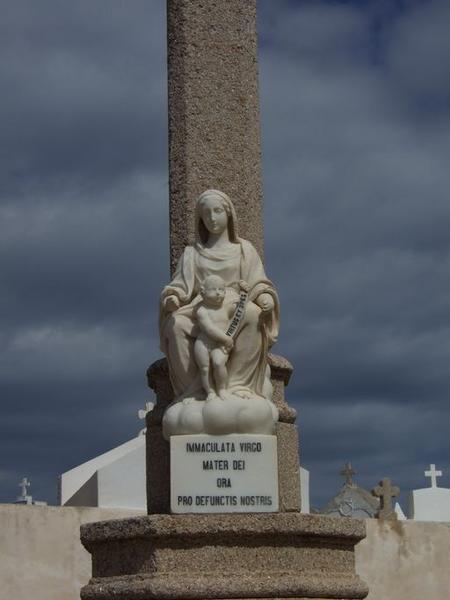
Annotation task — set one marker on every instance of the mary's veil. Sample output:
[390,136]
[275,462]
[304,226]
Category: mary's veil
[201,232]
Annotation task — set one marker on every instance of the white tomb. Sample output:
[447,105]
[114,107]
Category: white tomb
[115,479]
[430,504]
[399,512]
[304,490]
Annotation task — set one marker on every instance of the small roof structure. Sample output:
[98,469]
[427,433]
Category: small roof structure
[352,500]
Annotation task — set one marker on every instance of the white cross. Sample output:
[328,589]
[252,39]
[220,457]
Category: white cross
[24,484]
[433,474]
[142,413]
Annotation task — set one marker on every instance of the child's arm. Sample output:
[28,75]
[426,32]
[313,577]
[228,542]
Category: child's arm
[211,330]
[231,309]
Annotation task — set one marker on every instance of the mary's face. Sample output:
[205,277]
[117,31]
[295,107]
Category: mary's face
[214,215]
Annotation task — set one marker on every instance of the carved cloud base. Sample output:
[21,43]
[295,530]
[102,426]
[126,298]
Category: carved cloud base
[218,417]
[223,556]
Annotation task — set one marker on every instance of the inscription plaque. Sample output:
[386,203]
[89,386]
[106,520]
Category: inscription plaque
[222,474]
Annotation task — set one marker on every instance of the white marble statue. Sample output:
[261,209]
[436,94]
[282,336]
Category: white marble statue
[234,396]
[212,346]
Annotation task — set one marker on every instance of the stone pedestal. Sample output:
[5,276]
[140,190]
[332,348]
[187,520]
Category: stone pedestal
[158,449]
[223,557]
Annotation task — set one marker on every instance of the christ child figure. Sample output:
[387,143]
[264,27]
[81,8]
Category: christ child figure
[213,345]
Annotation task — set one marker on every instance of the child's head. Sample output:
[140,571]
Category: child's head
[213,290]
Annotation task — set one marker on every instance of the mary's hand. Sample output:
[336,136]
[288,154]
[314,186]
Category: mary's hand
[265,302]
[171,303]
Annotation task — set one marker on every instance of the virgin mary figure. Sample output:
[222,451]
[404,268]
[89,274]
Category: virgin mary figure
[218,250]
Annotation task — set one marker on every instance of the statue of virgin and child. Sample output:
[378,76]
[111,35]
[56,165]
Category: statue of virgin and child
[218,318]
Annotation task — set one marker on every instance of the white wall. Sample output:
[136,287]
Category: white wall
[407,560]
[95,482]
[41,556]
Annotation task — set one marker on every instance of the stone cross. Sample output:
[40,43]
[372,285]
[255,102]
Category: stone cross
[433,474]
[214,131]
[348,473]
[385,491]
[24,484]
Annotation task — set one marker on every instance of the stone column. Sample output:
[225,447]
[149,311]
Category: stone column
[214,142]
[214,130]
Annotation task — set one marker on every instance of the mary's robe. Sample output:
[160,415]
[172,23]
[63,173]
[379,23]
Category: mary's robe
[248,359]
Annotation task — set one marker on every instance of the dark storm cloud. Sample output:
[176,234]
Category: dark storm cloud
[77,98]
[417,55]
[358,191]
[83,246]
[89,251]
[356,135]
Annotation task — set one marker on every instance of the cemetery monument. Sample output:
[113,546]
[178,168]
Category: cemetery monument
[223,493]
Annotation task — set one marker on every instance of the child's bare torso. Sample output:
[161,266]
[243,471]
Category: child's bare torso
[220,317]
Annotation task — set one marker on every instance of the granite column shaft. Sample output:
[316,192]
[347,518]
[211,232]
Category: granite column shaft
[214,125]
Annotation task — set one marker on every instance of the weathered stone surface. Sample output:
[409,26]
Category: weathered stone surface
[223,556]
[385,491]
[209,587]
[288,468]
[42,558]
[158,449]
[405,560]
[281,371]
[214,132]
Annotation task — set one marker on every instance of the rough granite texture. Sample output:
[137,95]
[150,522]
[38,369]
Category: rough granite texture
[158,450]
[280,375]
[214,130]
[223,556]
[288,467]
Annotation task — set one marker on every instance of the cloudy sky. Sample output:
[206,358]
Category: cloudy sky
[355,100]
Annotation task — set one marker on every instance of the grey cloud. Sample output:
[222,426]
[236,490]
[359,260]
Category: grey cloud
[77,97]
[377,437]
[356,186]
[324,33]
[88,254]
[418,54]
[83,207]
[357,191]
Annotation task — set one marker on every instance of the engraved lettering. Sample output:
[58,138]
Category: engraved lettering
[223,482]
[250,446]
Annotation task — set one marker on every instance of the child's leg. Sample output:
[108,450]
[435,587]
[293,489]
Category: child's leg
[219,360]
[201,354]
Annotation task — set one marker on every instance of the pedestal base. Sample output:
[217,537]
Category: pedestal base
[205,557]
